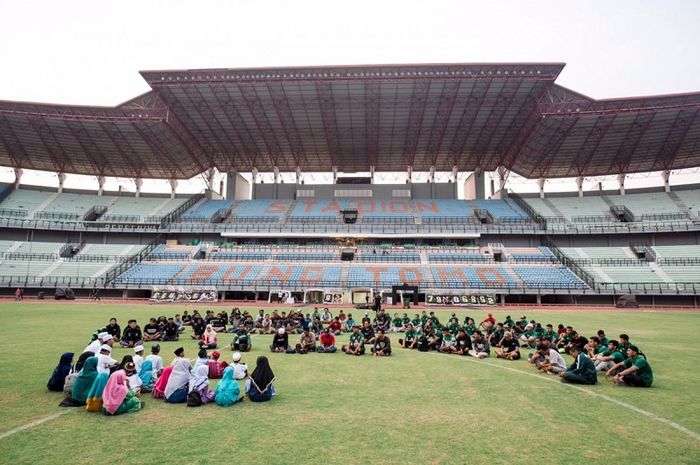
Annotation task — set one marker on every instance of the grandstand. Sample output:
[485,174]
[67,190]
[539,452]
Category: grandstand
[256,238]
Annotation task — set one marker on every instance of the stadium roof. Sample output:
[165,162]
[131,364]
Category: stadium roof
[355,117]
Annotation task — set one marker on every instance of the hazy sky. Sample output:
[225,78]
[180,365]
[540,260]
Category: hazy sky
[89,52]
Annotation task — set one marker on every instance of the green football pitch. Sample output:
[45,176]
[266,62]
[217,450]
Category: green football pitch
[411,408]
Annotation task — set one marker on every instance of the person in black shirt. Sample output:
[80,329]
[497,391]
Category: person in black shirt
[198,328]
[382,345]
[382,321]
[218,324]
[132,335]
[170,332]
[280,341]
[151,331]
[114,330]
[464,343]
[510,347]
[367,332]
[186,318]
[377,302]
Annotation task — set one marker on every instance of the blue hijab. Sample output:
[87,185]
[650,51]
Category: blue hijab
[146,374]
[58,378]
[227,391]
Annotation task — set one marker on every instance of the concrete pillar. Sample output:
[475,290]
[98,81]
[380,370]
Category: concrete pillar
[276,175]
[101,185]
[502,177]
[431,175]
[540,183]
[539,299]
[237,187]
[371,174]
[666,176]
[254,175]
[61,180]
[298,175]
[209,178]
[579,184]
[18,176]
[455,174]
[173,187]
[621,181]
[409,174]
[334,169]
[138,182]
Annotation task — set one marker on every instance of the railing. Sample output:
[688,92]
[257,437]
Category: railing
[67,250]
[608,261]
[645,249]
[539,219]
[13,213]
[566,261]
[665,216]
[61,216]
[94,212]
[221,215]
[678,261]
[29,256]
[138,257]
[593,219]
[50,281]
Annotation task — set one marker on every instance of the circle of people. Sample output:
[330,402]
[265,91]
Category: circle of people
[100,383]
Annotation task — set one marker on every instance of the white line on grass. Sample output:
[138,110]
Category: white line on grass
[646,413]
[31,424]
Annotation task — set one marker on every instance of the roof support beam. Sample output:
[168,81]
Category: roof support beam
[419,100]
[284,114]
[330,125]
[255,107]
[442,117]
[674,139]
[631,141]
[591,143]
[471,109]
[239,129]
[484,143]
[372,101]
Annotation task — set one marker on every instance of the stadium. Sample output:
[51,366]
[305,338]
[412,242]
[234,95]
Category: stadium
[446,237]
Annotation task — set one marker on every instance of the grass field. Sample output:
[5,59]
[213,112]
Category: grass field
[412,408]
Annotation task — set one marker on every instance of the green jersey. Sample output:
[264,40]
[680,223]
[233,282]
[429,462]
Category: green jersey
[406,320]
[509,323]
[397,322]
[356,337]
[617,356]
[423,319]
[416,322]
[643,369]
[604,342]
[448,340]
[242,338]
[454,327]
[552,335]
[410,335]
[470,329]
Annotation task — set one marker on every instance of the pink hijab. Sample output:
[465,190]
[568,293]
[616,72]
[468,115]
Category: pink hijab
[115,391]
[159,388]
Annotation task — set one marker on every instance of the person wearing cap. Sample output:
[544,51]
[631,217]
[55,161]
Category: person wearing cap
[132,376]
[240,369]
[132,335]
[280,341]
[216,367]
[241,339]
[113,329]
[327,342]
[156,360]
[356,344]
[138,357]
[94,346]
[104,359]
[582,371]
[382,345]
[636,370]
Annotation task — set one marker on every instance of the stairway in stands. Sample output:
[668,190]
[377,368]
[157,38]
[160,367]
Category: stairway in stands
[682,206]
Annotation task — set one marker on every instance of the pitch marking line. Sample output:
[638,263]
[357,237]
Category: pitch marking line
[646,413]
[31,424]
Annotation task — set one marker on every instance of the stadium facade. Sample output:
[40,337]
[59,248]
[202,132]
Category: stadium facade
[349,239]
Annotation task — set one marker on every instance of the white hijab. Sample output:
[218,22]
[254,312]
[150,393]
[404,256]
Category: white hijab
[199,378]
[180,376]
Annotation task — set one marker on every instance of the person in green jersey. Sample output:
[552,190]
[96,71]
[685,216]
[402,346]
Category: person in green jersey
[582,371]
[602,338]
[448,344]
[550,333]
[609,357]
[405,321]
[469,326]
[396,324]
[592,347]
[636,371]
[423,318]
[356,345]
[409,338]
[454,326]
[416,321]
[496,336]
[508,323]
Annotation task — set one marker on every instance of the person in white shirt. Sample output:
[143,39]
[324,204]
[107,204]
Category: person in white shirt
[240,370]
[104,359]
[95,345]
[156,360]
[132,376]
[327,316]
[138,357]
[553,361]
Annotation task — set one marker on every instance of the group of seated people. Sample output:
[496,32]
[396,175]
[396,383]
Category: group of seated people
[101,383]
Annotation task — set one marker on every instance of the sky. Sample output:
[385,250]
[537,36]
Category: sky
[90,52]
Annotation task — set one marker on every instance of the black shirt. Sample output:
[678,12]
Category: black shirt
[170,330]
[198,328]
[115,331]
[367,332]
[510,346]
[132,334]
[383,345]
[280,340]
[151,329]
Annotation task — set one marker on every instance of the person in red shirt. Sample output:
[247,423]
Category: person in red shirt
[489,322]
[327,345]
[335,326]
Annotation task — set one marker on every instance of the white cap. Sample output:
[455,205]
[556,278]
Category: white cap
[106,347]
[280,331]
[108,337]
[102,335]
[138,349]
[236,356]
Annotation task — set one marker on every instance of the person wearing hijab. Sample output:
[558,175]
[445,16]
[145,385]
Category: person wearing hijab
[94,398]
[199,382]
[209,339]
[132,376]
[117,398]
[81,360]
[58,378]
[176,389]
[227,391]
[145,374]
[82,384]
[159,388]
[259,386]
